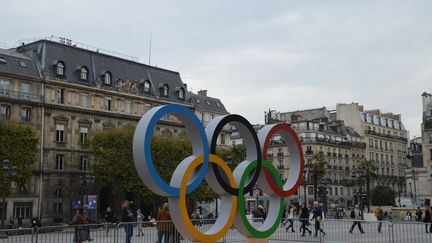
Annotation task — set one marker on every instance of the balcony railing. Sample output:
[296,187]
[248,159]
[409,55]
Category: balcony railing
[280,154]
[385,135]
[333,142]
[10,94]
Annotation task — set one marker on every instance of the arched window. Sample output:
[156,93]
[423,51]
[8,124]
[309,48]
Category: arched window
[83,73]
[58,201]
[60,69]
[146,88]
[181,94]
[107,78]
[165,90]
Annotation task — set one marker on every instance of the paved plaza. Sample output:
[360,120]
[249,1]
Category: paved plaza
[336,232]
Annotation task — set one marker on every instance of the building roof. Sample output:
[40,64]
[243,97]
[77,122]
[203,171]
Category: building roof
[310,115]
[41,57]
[13,62]
[204,102]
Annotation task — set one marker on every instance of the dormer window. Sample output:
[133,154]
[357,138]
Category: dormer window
[107,78]
[165,90]
[218,104]
[197,101]
[208,102]
[83,73]
[181,94]
[146,88]
[60,69]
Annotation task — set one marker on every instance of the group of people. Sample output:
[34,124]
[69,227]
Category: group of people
[305,215]
[427,218]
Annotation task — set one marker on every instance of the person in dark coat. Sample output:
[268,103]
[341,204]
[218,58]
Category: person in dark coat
[317,215]
[304,220]
[419,214]
[427,220]
[127,217]
[108,217]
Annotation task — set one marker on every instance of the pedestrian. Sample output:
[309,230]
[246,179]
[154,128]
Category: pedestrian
[164,224]
[127,218]
[80,234]
[140,220]
[357,215]
[408,216]
[317,216]
[108,219]
[290,218]
[379,215]
[419,214]
[427,220]
[304,219]
[196,217]
[260,213]
[11,222]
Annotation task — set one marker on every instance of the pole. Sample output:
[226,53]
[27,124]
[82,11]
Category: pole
[415,189]
[315,181]
[41,154]
[367,190]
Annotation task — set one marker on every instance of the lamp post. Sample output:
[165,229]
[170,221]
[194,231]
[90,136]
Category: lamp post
[86,182]
[8,173]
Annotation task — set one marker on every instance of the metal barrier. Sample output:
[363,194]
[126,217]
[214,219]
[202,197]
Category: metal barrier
[335,231]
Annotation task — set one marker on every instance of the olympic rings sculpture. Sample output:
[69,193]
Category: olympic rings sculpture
[204,164]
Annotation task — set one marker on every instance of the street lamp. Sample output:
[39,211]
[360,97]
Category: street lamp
[86,182]
[8,173]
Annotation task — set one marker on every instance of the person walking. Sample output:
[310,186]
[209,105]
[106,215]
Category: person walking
[427,220]
[419,214]
[317,216]
[304,220]
[163,224]
[196,217]
[379,214]
[127,218]
[140,220]
[290,218]
[80,234]
[357,215]
[108,219]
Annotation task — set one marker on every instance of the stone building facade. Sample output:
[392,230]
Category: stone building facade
[68,93]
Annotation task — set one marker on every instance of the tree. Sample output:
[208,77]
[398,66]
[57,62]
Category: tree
[368,167]
[383,195]
[114,164]
[318,171]
[18,144]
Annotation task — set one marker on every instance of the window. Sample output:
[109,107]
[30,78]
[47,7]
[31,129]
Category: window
[128,106]
[181,94]
[107,78]
[336,191]
[60,69]
[25,91]
[5,111]
[341,191]
[84,100]
[108,103]
[83,73]
[22,209]
[57,201]
[25,114]
[83,135]
[147,107]
[218,104]
[60,133]
[310,190]
[2,60]
[59,162]
[146,86]
[22,64]
[60,96]
[331,191]
[208,102]
[197,101]
[84,163]
[4,87]
[165,90]
[222,139]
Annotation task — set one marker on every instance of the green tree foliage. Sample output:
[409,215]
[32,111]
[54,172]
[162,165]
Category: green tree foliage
[18,144]
[114,164]
[383,195]
[320,163]
[369,168]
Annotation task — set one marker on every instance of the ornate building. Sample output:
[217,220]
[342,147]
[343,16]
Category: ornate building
[68,92]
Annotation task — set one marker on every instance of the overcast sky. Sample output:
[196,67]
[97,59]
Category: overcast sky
[255,55]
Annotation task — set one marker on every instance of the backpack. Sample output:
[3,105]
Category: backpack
[352,214]
[378,213]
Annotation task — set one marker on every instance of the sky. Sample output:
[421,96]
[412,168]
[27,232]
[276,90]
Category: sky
[258,55]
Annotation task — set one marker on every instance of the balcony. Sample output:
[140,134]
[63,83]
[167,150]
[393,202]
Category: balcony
[309,151]
[385,135]
[347,182]
[269,156]
[14,95]
[332,142]
[280,154]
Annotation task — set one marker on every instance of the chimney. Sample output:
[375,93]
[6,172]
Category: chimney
[203,92]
